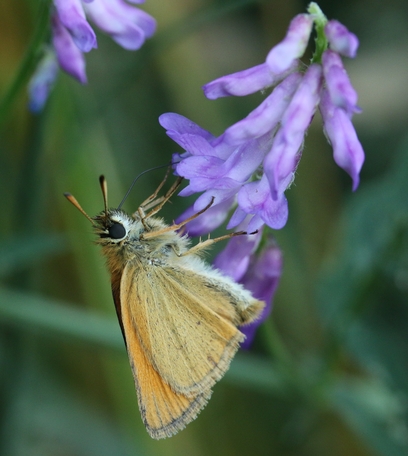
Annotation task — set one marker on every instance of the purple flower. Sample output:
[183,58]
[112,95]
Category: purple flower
[338,84]
[72,35]
[42,81]
[127,25]
[257,78]
[235,258]
[284,156]
[262,278]
[293,46]
[69,56]
[340,39]
[72,16]
[347,150]
[254,161]
[259,274]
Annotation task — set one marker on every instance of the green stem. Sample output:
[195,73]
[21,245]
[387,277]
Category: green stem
[30,60]
[320,20]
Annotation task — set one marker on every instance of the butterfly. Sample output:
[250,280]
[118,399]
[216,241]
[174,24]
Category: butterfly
[178,315]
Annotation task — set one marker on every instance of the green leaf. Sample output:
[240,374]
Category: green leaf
[374,412]
[20,252]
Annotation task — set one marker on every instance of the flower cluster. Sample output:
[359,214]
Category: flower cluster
[72,36]
[251,165]
[254,161]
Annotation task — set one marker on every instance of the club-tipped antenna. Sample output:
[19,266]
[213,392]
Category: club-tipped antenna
[137,178]
[104,188]
[74,201]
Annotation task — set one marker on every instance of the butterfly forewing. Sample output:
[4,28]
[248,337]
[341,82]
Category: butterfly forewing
[163,411]
[186,341]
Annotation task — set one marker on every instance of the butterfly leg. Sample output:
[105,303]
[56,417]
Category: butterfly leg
[156,192]
[162,201]
[208,242]
[175,226]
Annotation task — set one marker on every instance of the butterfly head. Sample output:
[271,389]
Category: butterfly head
[112,226]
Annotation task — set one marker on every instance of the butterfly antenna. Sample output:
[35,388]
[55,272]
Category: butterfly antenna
[104,188]
[74,201]
[137,178]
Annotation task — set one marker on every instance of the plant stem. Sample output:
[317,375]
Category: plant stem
[29,61]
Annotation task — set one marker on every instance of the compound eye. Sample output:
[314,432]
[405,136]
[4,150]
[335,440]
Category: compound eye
[117,231]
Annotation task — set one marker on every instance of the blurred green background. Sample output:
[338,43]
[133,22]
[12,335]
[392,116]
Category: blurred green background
[328,374]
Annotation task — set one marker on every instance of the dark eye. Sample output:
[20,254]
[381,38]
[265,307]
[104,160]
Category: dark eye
[117,231]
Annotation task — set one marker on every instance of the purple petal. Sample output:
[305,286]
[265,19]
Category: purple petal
[247,158]
[237,217]
[242,83]
[234,259]
[267,115]
[42,82]
[293,46]
[347,150]
[338,83]
[255,223]
[207,222]
[127,25]
[340,39]
[70,58]
[255,198]
[216,195]
[72,16]
[239,84]
[284,156]
[262,279]
[193,144]
[201,166]
[180,124]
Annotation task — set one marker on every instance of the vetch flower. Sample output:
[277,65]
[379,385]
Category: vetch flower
[234,260]
[70,57]
[347,150]
[340,39]
[254,161]
[72,35]
[262,278]
[259,273]
[293,46]
[42,81]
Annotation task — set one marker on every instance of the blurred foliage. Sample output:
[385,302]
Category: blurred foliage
[328,374]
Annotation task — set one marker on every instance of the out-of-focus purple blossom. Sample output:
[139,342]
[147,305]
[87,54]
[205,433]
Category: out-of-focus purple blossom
[42,81]
[70,57]
[72,35]
[340,39]
[293,46]
[72,16]
[262,278]
[347,150]
[127,25]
